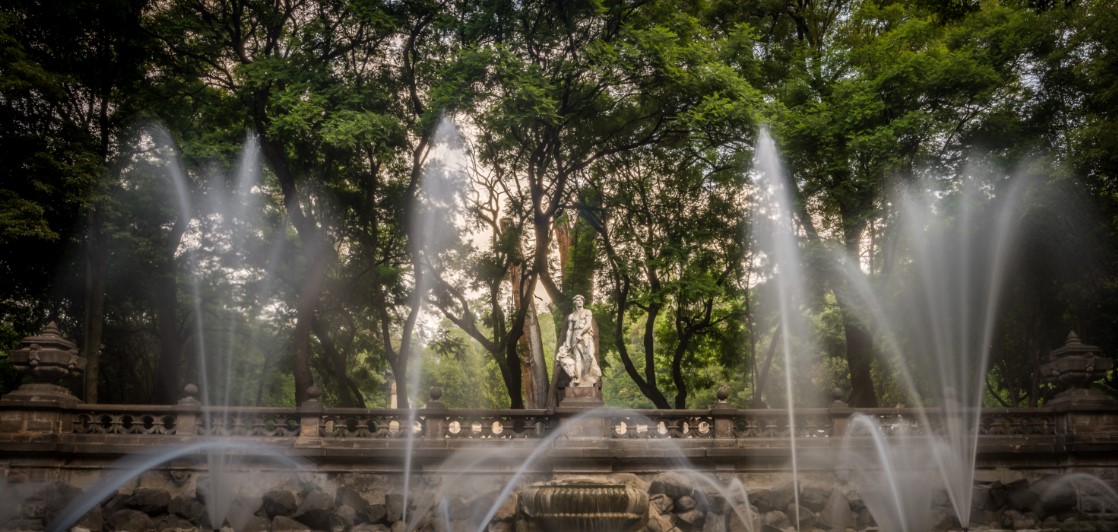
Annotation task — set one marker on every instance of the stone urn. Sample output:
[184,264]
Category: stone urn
[1076,365]
[47,358]
[584,504]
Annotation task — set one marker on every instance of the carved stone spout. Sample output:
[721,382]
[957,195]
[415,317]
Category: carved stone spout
[584,504]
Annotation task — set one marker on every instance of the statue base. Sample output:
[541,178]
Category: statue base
[577,397]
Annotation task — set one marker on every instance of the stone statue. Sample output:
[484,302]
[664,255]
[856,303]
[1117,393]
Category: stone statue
[578,356]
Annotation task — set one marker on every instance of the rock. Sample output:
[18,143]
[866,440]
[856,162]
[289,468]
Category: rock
[343,518]
[369,527]
[660,522]
[685,504]
[376,513]
[1055,495]
[997,496]
[762,499]
[279,502]
[941,519]
[500,526]
[394,507]
[689,520]
[507,510]
[776,518]
[744,520]
[23,525]
[174,523]
[1019,497]
[281,522]
[130,520]
[115,503]
[149,501]
[661,503]
[315,510]
[347,496]
[256,524]
[814,498]
[93,520]
[671,483]
[864,519]
[56,496]
[782,497]
[186,507]
[241,511]
[836,512]
[805,516]
[980,497]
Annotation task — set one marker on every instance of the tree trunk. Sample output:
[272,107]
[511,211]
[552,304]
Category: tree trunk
[349,396]
[859,357]
[859,341]
[94,304]
[166,302]
[538,362]
[168,368]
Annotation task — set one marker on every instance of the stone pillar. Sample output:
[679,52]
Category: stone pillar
[310,414]
[434,420]
[840,413]
[186,420]
[42,405]
[723,415]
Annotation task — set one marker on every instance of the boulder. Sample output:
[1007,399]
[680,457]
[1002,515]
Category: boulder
[1019,497]
[288,524]
[315,510]
[279,502]
[343,518]
[376,513]
[56,496]
[130,520]
[186,507]
[673,484]
[93,520]
[394,507]
[347,496]
[1055,495]
[661,503]
[369,527]
[174,523]
[507,510]
[836,513]
[256,523]
[782,497]
[814,498]
[149,501]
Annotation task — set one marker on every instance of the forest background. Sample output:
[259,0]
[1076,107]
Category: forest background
[607,147]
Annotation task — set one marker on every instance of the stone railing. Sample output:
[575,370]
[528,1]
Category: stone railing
[189,419]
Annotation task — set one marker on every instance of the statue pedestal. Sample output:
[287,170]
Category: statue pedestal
[582,426]
[585,398]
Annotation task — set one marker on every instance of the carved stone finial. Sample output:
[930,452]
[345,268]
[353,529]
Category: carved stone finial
[436,393]
[722,394]
[1076,365]
[189,395]
[47,358]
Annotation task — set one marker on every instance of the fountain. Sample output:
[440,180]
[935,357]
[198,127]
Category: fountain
[590,468]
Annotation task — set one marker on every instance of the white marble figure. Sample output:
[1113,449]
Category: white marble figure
[578,356]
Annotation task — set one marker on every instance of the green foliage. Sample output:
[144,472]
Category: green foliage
[627,125]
